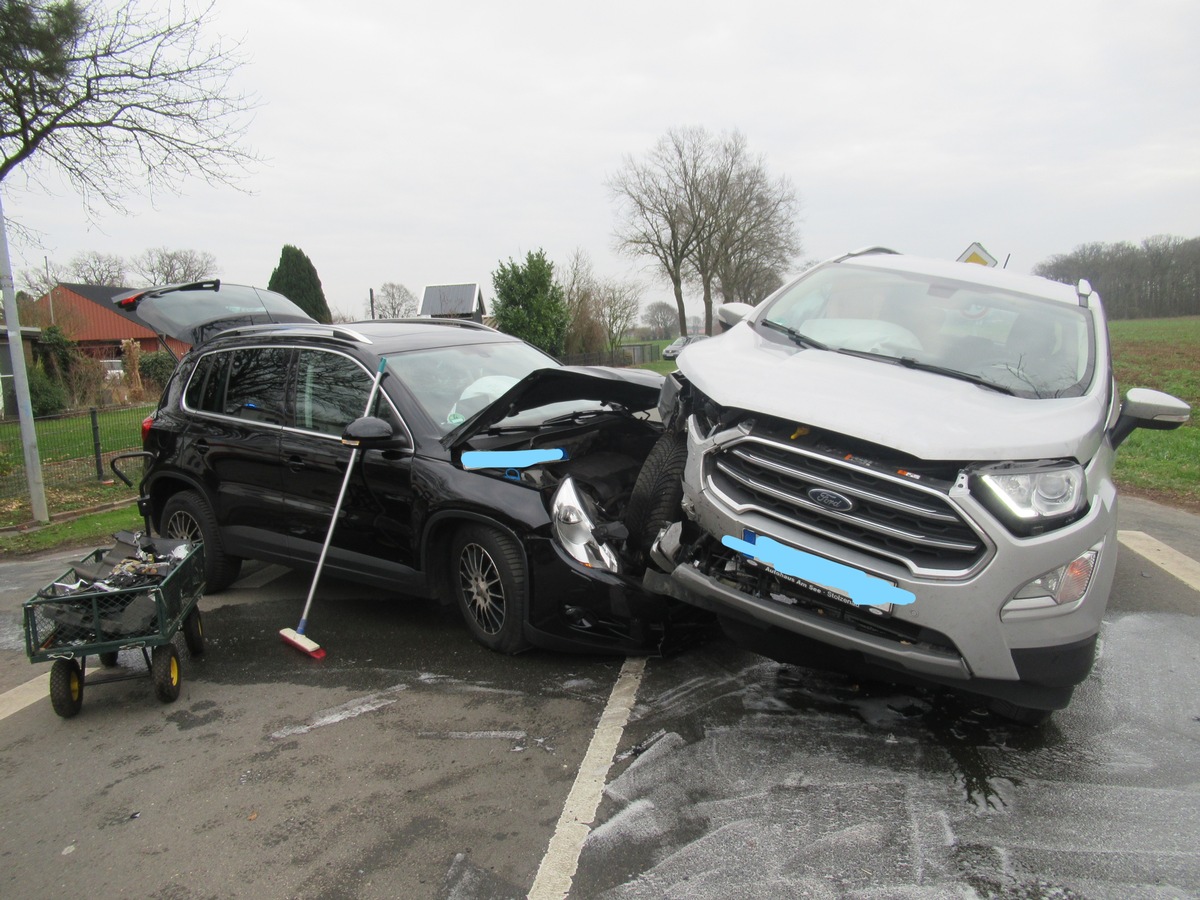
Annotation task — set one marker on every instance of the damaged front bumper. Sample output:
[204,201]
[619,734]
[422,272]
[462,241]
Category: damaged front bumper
[874,643]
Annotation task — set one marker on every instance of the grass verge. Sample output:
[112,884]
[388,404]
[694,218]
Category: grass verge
[87,530]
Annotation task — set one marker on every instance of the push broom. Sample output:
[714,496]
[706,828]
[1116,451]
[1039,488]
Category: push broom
[295,636]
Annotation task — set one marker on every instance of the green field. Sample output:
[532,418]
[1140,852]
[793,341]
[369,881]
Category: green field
[1163,354]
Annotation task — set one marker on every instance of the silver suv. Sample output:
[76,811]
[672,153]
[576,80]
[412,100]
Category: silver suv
[905,460]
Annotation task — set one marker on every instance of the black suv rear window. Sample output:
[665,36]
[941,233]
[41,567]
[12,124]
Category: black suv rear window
[247,383]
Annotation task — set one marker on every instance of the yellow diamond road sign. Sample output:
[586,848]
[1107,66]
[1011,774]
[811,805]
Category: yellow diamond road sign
[976,254]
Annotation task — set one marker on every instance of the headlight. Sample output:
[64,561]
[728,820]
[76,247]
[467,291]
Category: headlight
[1030,498]
[573,516]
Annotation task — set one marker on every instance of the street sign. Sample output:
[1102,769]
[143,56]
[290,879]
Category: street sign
[976,254]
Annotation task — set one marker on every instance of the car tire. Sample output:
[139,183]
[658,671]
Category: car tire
[66,687]
[188,517]
[487,571]
[657,493]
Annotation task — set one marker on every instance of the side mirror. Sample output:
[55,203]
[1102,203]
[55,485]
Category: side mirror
[1144,408]
[367,432]
[729,314]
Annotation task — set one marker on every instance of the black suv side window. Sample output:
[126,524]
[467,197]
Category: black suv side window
[247,383]
[331,391]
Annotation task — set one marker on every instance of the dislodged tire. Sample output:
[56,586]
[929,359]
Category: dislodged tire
[488,579]
[657,493]
[193,632]
[66,687]
[188,517]
[164,670]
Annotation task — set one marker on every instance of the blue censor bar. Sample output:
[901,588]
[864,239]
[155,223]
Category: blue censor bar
[510,459]
[861,588]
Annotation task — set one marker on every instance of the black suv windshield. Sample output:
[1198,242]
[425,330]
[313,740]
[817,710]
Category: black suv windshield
[453,383]
[1022,344]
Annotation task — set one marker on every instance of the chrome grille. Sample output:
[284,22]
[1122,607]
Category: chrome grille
[889,515]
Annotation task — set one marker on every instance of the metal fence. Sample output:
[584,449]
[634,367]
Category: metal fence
[75,449]
[625,355]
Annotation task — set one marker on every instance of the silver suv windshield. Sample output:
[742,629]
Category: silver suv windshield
[1022,344]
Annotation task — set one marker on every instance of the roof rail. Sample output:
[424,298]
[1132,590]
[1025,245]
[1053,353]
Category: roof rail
[436,320]
[867,251]
[302,329]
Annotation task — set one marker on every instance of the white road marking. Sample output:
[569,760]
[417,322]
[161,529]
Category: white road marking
[349,710]
[22,696]
[1172,561]
[558,866]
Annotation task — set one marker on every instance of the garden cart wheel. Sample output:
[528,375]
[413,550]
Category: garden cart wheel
[193,632]
[164,669]
[66,687]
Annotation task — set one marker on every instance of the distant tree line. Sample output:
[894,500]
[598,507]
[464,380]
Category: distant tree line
[1160,278]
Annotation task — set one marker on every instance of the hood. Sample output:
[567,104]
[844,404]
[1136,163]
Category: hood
[193,313]
[635,389]
[929,416]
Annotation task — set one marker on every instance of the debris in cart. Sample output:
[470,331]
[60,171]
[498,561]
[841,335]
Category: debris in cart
[135,595]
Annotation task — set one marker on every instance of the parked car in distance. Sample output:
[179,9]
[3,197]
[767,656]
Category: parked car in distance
[903,467]
[489,476]
[673,349]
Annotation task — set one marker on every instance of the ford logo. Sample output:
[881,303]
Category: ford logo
[831,500]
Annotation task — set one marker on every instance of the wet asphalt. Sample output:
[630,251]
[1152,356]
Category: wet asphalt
[411,763]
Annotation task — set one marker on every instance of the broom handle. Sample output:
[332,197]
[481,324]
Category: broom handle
[337,507]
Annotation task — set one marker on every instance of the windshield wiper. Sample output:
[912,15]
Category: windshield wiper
[910,362]
[578,417]
[797,337]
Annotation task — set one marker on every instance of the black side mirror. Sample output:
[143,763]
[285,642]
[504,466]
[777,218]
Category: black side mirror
[368,432]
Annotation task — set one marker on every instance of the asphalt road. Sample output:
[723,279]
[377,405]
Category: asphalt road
[412,763]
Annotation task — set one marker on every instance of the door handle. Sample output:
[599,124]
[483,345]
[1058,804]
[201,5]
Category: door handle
[295,463]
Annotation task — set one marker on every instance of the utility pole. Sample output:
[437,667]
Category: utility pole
[16,350]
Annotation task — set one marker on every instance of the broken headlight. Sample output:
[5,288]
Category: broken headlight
[1032,498]
[574,518]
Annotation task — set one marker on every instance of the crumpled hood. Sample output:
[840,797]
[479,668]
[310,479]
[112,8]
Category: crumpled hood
[635,389]
[929,416]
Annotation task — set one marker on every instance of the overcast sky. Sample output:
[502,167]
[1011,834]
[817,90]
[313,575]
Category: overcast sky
[424,143]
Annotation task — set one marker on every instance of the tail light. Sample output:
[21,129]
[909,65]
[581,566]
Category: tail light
[146,423]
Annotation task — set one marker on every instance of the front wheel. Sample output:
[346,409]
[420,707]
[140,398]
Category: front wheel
[488,573]
[188,517]
[657,493]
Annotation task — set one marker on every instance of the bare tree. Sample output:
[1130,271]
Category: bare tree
[161,265]
[394,301]
[660,211]
[659,316]
[584,334]
[617,306]
[708,213]
[118,100]
[91,267]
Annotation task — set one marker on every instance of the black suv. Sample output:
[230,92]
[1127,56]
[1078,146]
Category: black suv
[488,474]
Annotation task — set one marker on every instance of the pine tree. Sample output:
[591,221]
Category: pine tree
[296,278]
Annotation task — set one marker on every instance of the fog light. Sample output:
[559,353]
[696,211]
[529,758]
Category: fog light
[1057,588]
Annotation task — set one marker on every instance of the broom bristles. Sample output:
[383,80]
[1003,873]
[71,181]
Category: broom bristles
[301,643]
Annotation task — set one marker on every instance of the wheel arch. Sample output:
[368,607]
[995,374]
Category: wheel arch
[435,547]
[166,486]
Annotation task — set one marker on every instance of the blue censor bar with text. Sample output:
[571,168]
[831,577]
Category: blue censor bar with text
[861,588]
